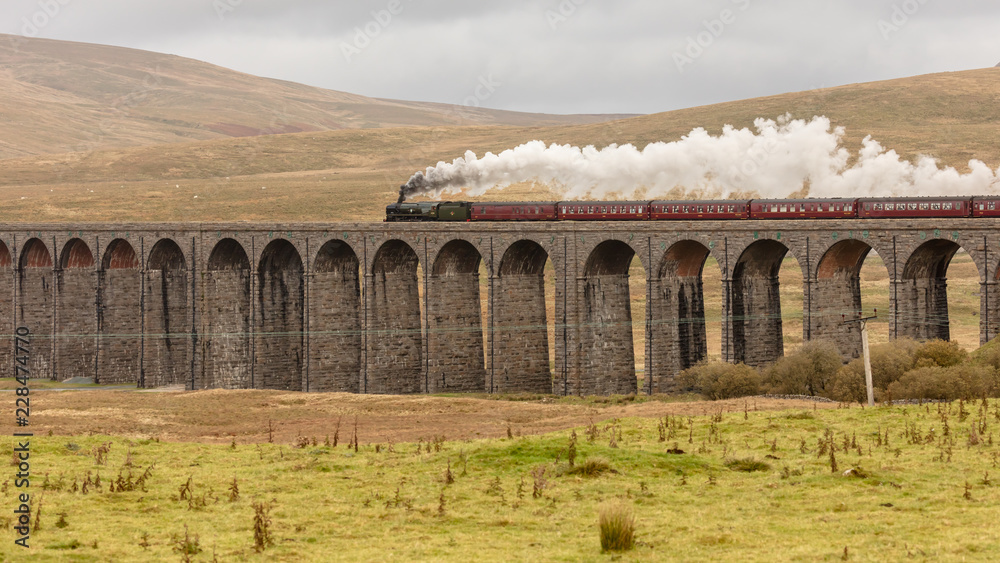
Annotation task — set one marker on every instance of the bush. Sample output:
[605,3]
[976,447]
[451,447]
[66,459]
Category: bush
[617,528]
[988,354]
[940,353]
[966,381]
[809,371]
[719,380]
[889,362]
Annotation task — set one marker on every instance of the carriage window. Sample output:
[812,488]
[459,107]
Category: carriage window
[537,210]
[640,209]
[685,208]
[935,206]
[868,207]
[911,206]
[701,209]
[947,206]
[992,206]
[604,209]
[848,208]
[924,207]
[783,208]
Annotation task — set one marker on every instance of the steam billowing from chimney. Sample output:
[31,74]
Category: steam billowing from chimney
[780,157]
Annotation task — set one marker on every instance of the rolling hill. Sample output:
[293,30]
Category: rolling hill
[350,174]
[62,96]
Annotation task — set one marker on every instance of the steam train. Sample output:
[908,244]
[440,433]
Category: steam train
[691,210]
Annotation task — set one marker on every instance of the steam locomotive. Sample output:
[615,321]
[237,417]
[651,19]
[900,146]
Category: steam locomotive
[689,210]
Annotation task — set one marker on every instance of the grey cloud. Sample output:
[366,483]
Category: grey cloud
[559,56]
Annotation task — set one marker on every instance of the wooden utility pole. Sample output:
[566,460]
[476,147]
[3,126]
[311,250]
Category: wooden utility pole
[864,352]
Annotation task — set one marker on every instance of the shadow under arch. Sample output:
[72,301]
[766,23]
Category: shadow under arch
[335,312]
[922,292]
[35,304]
[6,309]
[455,321]
[168,318]
[836,296]
[607,356]
[77,314]
[119,294]
[227,356]
[395,343]
[755,332]
[677,315]
[280,319]
[519,359]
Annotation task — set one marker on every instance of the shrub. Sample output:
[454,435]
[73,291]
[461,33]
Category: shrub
[940,353]
[966,381]
[808,371]
[988,354]
[592,468]
[889,362]
[617,528]
[719,380]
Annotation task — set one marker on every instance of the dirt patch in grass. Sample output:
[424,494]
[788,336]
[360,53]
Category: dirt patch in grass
[218,416]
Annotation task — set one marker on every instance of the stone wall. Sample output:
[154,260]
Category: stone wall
[345,307]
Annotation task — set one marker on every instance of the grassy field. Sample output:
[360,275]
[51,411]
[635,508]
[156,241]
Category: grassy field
[914,481]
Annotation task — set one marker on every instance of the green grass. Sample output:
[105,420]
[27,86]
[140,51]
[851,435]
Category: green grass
[516,500]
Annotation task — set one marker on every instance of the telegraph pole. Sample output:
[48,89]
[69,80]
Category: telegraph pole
[864,351]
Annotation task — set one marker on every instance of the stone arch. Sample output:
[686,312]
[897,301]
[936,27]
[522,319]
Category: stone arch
[280,330]
[6,309]
[168,318]
[35,304]
[226,318]
[335,320]
[922,291]
[455,323]
[77,313]
[836,296]
[755,332]
[519,360]
[677,313]
[395,356]
[607,354]
[118,326]
[76,254]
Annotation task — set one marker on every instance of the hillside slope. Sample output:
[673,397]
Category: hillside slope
[352,174]
[62,96]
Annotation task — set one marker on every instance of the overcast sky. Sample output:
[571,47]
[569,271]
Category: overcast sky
[554,56]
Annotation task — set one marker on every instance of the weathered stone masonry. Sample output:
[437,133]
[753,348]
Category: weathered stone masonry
[395,308]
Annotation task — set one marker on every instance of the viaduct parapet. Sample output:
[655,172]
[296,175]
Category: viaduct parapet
[345,307]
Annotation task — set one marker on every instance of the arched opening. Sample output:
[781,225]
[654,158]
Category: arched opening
[395,344]
[520,355]
[757,301]
[678,329]
[335,318]
[280,333]
[226,318]
[607,353]
[35,310]
[837,297]
[922,299]
[168,324]
[455,324]
[76,318]
[118,325]
[6,309]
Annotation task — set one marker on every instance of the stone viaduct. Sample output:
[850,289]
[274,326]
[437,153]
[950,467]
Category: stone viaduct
[344,307]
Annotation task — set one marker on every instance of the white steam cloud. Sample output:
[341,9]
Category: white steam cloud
[776,159]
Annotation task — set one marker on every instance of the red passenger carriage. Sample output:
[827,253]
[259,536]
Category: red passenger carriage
[681,210]
[603,210]
[811,208]
[514,211]
[915,207]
